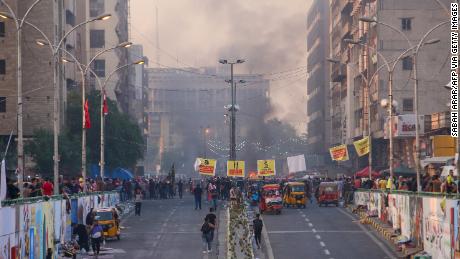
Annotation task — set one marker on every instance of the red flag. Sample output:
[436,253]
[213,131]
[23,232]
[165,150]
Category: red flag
[87,122]
[105,108]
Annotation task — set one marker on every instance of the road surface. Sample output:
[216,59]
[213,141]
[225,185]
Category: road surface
[322,232]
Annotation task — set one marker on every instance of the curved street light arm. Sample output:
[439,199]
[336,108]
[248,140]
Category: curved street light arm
[19,22]
[397,30]
[48,41]
[73,29]
[443,6]
[97,55]
[422,40]
[404,53]
[385,60]
[112,73]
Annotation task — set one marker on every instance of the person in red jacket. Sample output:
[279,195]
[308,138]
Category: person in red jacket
[47,188]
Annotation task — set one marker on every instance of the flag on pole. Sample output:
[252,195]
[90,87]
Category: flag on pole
[87,122]
[2,182]
[362,146]
[105,108]
[339,153]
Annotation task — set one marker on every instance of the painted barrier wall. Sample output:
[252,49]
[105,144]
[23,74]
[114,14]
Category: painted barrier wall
[431,221]
[27,231]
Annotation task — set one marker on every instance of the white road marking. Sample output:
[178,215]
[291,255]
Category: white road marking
[310,225]
[318,237]
[322,244]
[303,215]
[327,252]
[307,220]
[313,230]
[376,241]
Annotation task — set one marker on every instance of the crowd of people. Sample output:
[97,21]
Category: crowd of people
[428,182]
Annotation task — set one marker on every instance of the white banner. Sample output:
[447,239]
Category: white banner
[296,164]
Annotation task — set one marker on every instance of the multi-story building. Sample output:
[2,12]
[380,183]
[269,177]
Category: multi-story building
[318,102]
[186,102]
[413,18]
[107,34]
[53,18]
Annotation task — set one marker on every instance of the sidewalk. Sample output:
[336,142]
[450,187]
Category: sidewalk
[386,232]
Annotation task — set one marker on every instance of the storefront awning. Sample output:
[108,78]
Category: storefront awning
[435,160]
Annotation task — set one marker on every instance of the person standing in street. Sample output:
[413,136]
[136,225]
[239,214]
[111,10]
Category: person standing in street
[82,233]
[206,230]
[180,188]
[197,193]
[137,202]
[211,218]
[96,238]
[257,226]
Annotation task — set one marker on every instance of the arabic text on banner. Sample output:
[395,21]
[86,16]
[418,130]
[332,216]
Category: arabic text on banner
[339,153]
[266,167]
[362,146]
[235,168]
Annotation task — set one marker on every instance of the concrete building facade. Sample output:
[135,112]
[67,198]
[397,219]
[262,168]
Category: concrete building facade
[54,18]
[413,18]
[318,89]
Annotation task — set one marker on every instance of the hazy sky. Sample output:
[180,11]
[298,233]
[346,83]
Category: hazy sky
[269,34]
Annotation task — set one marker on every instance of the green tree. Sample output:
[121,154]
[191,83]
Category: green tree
[124,144]
[40,148]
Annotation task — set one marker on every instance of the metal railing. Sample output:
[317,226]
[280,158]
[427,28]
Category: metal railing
[21,201]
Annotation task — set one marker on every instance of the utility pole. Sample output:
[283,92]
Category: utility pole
[232,154]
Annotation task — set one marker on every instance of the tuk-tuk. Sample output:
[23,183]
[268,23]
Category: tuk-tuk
[328,193]
[270,199]
[108,219]
[294,194]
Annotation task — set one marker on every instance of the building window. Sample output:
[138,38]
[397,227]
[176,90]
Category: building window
[407,63]
[99,67]
[2,29]
[406,24]
[2,104]
[408,105]
[97,38]
[69,17]
[2,67]
[70,83]
[96,7]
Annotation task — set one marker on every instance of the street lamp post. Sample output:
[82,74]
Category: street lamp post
[102,161]
[233,108]
[390,104]
[19,23]
[55,48]
[417,48]
[417,130]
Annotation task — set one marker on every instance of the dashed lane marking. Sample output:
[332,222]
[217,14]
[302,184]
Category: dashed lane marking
[322,244]
[318,237]
[327,252]
[310,225]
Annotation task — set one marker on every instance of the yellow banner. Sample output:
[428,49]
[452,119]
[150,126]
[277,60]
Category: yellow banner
[266,167]
[207,166]
[339,153]
[235,168]
[362,146]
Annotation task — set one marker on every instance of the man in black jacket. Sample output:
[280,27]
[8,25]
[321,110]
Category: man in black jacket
[197,193]
[257,225]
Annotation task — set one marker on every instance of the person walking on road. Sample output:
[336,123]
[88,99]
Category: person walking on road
[206,232]
[82,233]
[96,238]
[257,225]
[211,218]
[137,202]
[197,193]
[180,188]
